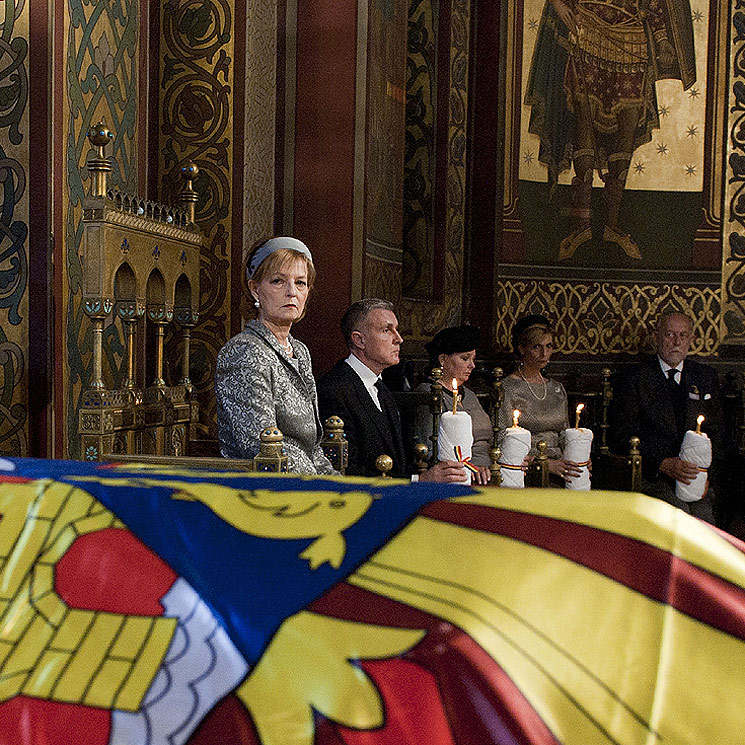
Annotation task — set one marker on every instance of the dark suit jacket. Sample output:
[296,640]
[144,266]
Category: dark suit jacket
[369,431]
[644,406]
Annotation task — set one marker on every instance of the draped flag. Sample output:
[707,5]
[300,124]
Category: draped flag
[161,606]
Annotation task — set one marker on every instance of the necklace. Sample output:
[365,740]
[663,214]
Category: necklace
[287,346]
[535,395]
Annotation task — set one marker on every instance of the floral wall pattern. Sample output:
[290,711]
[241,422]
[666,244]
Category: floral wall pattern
[14,217]
[101,83]
[196,123]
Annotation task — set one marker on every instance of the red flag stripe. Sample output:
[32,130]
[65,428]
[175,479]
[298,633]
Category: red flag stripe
[646,569]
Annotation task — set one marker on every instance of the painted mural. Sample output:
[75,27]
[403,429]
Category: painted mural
[615,125]
[102,84]
[612,171]
[196,123]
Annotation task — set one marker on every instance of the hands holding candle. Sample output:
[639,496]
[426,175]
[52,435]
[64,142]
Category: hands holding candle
[695,454]
[576,461]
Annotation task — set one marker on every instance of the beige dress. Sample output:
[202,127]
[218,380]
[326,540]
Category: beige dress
[545,418]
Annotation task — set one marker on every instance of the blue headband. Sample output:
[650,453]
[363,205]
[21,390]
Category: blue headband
[272,245]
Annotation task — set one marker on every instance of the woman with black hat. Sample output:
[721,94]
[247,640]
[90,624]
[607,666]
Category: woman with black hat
[454,351]
[542,402]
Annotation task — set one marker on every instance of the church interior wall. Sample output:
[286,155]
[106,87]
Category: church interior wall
[407,180]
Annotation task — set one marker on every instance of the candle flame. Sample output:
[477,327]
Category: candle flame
[455,395]
[699,422]
[455,384]
[580,407]
[515,417]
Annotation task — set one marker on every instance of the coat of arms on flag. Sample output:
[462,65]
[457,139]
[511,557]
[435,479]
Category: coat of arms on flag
[147,606]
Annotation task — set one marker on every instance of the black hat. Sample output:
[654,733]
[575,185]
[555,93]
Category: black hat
[453,340]
[525,323]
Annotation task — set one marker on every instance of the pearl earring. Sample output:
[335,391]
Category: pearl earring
[256,303]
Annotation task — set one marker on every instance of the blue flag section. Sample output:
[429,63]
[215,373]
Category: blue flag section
[256,548]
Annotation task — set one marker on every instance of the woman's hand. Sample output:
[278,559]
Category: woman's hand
[565,469]
[483,476]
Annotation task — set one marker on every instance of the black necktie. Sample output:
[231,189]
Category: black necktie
[671,373]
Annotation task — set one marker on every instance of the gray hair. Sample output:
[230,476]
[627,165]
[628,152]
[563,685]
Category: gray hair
[356,314]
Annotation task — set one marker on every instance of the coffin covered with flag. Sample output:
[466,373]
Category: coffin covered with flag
[147,606]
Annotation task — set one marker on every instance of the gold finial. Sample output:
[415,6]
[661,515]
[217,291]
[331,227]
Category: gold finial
[384,464]
[334,424]
[495,467]
[188,195]
[99,167]
[420,457]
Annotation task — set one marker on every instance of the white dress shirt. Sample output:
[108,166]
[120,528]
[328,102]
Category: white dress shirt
[367,376]
[665,367]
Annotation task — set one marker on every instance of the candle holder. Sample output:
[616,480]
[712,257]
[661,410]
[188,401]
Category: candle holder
[540,464]
[635,461]
[334,443]
[420,457]
[495,468]
[607,395]
[435,406]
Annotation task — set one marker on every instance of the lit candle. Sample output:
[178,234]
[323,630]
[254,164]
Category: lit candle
[515,417]
[579,411]
[699,422]
[455,395]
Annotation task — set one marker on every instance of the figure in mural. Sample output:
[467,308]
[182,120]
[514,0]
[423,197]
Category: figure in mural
[593,97]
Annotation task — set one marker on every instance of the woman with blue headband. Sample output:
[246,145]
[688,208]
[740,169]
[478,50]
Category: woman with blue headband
[263,376]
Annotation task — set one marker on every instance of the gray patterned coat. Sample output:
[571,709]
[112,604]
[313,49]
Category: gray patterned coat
[258,386]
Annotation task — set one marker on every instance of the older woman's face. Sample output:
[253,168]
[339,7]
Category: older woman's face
[282,294]
[458,365]
[536,353]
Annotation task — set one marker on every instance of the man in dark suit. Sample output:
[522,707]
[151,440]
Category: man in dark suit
[354,391]
[658,400]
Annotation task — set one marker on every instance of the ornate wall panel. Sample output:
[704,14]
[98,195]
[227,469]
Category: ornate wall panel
[420,320]
[733,239]
[14,198]
[608,317]
[196,117]
[420,155]
[260,120]
[102,84]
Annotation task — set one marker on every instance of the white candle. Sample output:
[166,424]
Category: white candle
[456,430]
[515,445]
[695,448]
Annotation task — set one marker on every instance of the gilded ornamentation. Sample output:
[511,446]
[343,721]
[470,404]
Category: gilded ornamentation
[420,320]
[733,239]
[197,79]
[419,168]
[607,317]
[102,84]
[14,209]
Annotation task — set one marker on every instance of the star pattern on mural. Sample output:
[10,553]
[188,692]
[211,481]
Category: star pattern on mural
[690,170]
[528,158]
[639,166]
[694,92]
[533,24]
[697,15]
[662,149]
[663,111]
[692,131]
